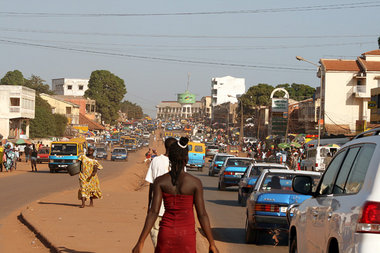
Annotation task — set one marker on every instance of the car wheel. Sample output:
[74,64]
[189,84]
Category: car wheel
[293,245]
[239,198]
[250,235]
[51,170]
[243,201]
[222,186]
[209,173]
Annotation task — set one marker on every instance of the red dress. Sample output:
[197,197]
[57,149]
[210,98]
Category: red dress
[177,227]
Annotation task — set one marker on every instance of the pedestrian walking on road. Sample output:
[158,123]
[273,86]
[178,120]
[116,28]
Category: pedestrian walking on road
[33,158]
[180,191]
[158,167]
[9,156]
[27,153]
[147,156]
[89,187]
[1,156]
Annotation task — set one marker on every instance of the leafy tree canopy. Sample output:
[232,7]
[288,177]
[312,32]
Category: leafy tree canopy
[132,110]
[107,90]
[14,77]
[38,84]
[298,92]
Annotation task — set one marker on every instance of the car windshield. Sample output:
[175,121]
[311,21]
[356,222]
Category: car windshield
[256,170]
[64,149]
[212,147]
[119,151]
[281,182]
[43,151]
[129,141]
[238,163]
[100,150]
[198,148]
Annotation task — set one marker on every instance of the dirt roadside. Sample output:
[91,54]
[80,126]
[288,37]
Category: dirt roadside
[113,225]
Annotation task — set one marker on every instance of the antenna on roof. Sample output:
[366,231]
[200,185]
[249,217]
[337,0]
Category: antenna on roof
[188,81]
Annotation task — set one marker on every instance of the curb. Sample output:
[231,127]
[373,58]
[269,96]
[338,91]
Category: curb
[40,236]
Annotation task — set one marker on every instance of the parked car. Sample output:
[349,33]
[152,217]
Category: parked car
[343,214]
[232,171]
[101,153]
[43,155]
[216,163]
[250,177]
[119,154]
[211,150]
[269,201]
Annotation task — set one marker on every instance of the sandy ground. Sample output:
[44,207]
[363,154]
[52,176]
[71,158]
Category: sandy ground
[22,167]
[113,225]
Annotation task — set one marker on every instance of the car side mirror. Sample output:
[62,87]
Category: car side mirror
[303,185]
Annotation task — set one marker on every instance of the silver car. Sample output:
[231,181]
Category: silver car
[343,214]
[211,150]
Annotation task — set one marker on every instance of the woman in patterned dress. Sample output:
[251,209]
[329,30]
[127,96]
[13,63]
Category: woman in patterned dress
[88,178]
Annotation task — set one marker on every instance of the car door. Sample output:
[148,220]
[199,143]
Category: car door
[317,207]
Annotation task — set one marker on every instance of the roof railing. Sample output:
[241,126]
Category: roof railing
[372,132]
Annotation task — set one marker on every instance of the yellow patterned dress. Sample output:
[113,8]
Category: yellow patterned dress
[89,189]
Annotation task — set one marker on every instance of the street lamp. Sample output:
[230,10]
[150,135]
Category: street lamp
[320,97]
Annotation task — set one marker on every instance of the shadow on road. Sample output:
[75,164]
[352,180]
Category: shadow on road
[225,202]
[59,204]
[208,188]
[230,235]
[67,250]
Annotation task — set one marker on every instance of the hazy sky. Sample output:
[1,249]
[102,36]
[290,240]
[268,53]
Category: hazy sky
[257,40]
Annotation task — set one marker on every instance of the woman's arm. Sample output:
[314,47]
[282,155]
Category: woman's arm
[202,215]
[150,218]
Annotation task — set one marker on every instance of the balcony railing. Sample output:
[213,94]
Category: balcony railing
[361,91]
[14,109]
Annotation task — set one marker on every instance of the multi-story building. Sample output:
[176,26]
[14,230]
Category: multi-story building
[16,110]
[226,90]
[174,110]
[346,90]
[70,87]
[87,106]
[60,106]
[206,108]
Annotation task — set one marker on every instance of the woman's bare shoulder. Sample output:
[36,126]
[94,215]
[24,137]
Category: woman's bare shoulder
[193,179]
[163,178]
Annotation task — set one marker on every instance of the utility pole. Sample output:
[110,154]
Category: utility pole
[241,122]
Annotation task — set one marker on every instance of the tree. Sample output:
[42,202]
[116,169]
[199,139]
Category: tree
[298,92]
[107,90]
[37,83]
[132,110]
[14,77]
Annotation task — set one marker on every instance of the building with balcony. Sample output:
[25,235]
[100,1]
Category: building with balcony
[16,110]
[69,87]
[346,90]
[206,108]
[60,106]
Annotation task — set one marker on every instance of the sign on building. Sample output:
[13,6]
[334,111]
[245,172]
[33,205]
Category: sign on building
[279,105]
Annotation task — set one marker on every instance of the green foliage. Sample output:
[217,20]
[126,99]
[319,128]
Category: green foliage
[298,92]
[13,78]
[37,83]
[132,110]
[45,123]
[257,95]
[107,90]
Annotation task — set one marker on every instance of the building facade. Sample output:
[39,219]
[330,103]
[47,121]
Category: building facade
[172,110]
[346,89]
[69,87]
[60,106]
[225,90]
[87,106]
[206,108]
[16,110]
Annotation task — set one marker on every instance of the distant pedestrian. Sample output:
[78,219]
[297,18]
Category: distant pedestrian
[148,155]
[27,153]
[9,157]
[1,156]
[89,186]
[33,159]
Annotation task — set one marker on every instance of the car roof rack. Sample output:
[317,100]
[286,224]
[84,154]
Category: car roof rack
[372,132]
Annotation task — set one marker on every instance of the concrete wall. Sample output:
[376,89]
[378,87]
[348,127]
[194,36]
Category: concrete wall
[69,87]
[226,86]
[60,107]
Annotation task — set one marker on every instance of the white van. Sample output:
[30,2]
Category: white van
[317,158]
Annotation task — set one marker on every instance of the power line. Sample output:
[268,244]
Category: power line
[354,5]
[155,58]
[322,36]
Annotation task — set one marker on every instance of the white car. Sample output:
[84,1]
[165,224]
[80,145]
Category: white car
[343,214]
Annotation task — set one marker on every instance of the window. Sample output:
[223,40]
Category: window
[15,101]
[69,87]
[345,170]
[326,186]
[359,169]
[198,148]
[80,87]
[68,110]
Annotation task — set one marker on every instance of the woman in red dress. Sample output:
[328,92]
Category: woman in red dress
[180,191]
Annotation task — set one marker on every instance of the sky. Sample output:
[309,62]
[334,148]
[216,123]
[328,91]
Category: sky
[154,45]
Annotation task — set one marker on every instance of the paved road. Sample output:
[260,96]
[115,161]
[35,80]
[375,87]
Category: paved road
[19,190]
[228,218]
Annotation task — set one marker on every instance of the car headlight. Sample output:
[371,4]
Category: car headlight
[74,161]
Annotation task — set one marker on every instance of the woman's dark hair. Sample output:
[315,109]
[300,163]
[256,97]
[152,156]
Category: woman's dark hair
[178,157]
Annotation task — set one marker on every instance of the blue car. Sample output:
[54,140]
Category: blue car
[216,163]
[269,201]
[232,171]
[250,177]
[119,154]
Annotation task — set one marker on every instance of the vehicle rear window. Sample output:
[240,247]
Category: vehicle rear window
[198,148]
[119,151]
[221,158]
[281,182]
[212,147]
[256,170]
[238,163]
[100,150]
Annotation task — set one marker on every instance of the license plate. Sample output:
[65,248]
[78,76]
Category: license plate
[283,209]
[62,166]
[118,156]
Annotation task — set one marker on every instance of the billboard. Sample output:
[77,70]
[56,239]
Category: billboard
[279,105]
[186,98]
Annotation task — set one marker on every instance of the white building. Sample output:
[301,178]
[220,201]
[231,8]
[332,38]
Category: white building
[346,90]
[17,107]
[69,87]
[226,90]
